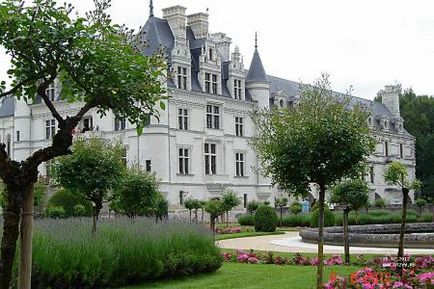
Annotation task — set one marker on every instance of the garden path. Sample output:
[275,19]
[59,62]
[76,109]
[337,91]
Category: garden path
[291,242]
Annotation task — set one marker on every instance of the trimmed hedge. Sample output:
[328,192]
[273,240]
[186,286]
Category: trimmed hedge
[300,220]
[66,256]
[265,219]
[329,218]
[246,220]
[68,201]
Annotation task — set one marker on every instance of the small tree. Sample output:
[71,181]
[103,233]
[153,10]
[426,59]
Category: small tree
[161,210]
[229,201]
[202,209]
[296,208]
[353,195]
[281,203]
[252,207]
[322,139]
[215,209]
[396,174]
[93,170]
[197,204]
[189,204]
[379,203]
[420,203]
[137,193]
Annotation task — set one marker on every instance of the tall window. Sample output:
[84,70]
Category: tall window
[371,174]
[401,151]
[245,201]
[239,126]
[211,83]
[210,159]
[210,54]
[148,166]
[18,135]
[182,118]
[87,124]
[50,128]
[237,89]
[181,197]
[213,116]
[183,161]
[120,123]
[50,92]
[386,148]
[239,164]
[182,77]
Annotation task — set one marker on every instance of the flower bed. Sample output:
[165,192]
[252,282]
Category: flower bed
[229,230]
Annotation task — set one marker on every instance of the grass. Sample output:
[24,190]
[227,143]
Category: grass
[247,276]
[245,234]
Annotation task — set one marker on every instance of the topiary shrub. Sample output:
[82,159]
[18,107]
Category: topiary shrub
[246,220]
[55,212]
[79,210]
[67,200]
[296,208]
[301,220]
[379,203]
[329,218]
[265,219]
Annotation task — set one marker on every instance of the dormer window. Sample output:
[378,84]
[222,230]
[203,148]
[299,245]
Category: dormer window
[50,92]
[211,83]
[237,89]
[182,77]
[210,55]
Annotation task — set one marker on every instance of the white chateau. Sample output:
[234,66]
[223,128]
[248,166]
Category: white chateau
[200,145]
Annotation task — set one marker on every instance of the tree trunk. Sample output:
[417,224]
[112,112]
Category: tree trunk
[202,215]
[227,218]
[346,241]
[190,215]
[195,215]
[405,192]
[26,229]
[319,273]
[281,216]
[11,223]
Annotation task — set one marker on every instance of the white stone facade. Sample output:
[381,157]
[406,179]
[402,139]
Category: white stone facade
[200,144]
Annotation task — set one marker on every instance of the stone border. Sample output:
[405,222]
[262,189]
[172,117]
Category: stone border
[418,235]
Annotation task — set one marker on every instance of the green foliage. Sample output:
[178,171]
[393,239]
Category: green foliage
[92,171]
[420,203]
[40,189]
[300,220]
[246,220]
[189,204]
[295,208]
[230,200]
[55,212]
[281,202]
[320,140]
[351,193]
[137,193]
[379,203]
[68,201]
[396,174]
[161,209]
[2,196]
[329,218]
[79,210]
[265,219]
[252,206]
[121,253]
[214,208]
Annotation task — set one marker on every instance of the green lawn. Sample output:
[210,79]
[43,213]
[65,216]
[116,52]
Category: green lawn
[245,234]
[247,276]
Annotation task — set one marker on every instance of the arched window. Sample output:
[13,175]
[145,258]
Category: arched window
[281,103]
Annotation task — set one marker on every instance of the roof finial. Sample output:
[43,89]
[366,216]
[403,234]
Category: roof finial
[256,40]
[151,8]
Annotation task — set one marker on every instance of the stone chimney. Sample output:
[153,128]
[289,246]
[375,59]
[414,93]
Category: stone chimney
[199,24]
[390,98]
[223,44]
[175,16]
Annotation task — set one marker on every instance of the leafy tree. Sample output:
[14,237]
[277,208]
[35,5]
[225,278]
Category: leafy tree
[161,210]
[189,205]
[99,64]
[281,203]
[215,208]
[322,139]
[79,210]
[197,204]
[396,174]
[252,207]
[296,208]
[137,193]
[229,200]
[420,203]
[68,201]
[92,171]
[353,195]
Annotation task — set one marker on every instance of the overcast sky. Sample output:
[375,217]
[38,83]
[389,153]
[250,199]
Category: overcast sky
[364,43]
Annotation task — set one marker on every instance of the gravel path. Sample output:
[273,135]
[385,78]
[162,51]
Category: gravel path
[291,242]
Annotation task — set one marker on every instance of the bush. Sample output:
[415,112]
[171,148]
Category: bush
[246,220]
[329,218]
[252,207]
[295,208]
[64,198]
[425,218]
[378,213]
[379,203]
[79,210]
[55,212]
[67,256]
[302,220]
[265,219]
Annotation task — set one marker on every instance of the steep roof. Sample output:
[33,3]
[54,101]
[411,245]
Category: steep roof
[256,70]
[7,107]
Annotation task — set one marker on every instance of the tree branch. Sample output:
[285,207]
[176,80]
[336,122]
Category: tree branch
[47,101]
[16,88]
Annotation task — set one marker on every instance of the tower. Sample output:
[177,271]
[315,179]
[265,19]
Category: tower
[257,83]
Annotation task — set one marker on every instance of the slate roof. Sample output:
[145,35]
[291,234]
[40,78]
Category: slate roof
[256,71]
[7,107]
